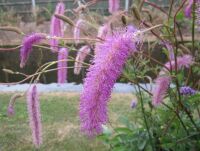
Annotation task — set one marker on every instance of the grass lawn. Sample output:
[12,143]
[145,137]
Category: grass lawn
[60,123]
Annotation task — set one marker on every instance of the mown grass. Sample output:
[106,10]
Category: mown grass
[60,123]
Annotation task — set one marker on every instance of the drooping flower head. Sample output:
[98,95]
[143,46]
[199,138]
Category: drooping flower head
[27,44]
[186,90]
[170,50]
[114,5]
[78,26]
[188,9]
[161,85]
[82,54]
[10,109]
[57,26]
[164,79]
[101,77]
[33,106]
[62,65]
[183,61]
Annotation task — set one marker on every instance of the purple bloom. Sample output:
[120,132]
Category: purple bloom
[162,84]
[27,44]
[57,26]
[114,5]
[188,9]
[77,30]
[170,50]
[103,31]
[198,12]
[183,61]
[10,110]
[101,77]
[82,54]
[163,80]
[134,103]
[62,65]
[185,90]
[33,106]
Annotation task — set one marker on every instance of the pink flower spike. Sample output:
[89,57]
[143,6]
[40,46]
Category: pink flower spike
[27,44]
[62,65]
[103,31]
[57,26]
[114,6]
[10,110]
[101,77]
[162,84]
[188,9]
[82,54]
[163,80]
[183,61]
[170,50]
[77,30]
[33,106]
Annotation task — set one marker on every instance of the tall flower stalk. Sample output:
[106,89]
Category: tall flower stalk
[62,65]
[33,106]
[101,77]
[57,26]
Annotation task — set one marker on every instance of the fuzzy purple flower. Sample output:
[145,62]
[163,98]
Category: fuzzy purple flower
[163,81]
[101,77]
[183,61]
[33,106]
[57,26]
[170,50]
[27,44]
[82,54]
[10,110]
[186,90]
[188,9]
[134,103]
[77,30]
[198,13]
[103,31]
[114,5]
[62,65]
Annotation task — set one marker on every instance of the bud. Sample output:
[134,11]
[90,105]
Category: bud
[65,19]
[135,12]
[14,29]
[8,71]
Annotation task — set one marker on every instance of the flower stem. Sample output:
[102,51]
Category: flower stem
[145,119]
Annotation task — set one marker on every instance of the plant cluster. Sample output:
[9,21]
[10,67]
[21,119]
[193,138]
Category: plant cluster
[167,113]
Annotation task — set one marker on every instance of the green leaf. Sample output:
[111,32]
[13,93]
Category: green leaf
[180,16]
[123,130]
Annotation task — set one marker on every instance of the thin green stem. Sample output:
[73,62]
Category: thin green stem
[145,119]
